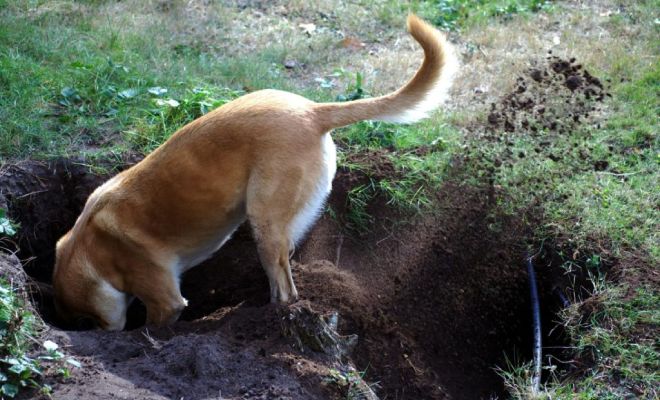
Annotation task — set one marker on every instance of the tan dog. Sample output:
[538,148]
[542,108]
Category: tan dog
[266,157]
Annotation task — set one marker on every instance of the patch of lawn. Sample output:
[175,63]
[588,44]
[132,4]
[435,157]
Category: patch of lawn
[461,14]
[68,85]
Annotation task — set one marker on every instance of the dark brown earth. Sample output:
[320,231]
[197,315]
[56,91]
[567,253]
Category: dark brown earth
[553,97]
[436,301]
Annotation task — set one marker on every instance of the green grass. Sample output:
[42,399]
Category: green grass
[617,341]
[463,14]
[23,365]
[68,85]
[620,205]
[613,341]
[610,210]
[420,155]
[168,114]
[350,383]
[617,205]
[17,327]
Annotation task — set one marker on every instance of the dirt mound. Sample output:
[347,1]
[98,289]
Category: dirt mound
[553,97]
[436,302]
[238,353]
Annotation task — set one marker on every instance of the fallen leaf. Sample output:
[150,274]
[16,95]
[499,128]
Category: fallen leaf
[169,102]
[350,42]
[308,28]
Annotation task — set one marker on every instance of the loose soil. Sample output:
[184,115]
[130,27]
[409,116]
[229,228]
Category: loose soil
[551,98]
[436,301]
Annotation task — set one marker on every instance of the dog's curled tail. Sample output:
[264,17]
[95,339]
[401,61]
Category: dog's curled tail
[421,95]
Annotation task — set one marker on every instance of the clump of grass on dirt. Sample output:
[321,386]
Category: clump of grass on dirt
[351,383]
[17,328]
[22,365]
[614,333]
[20,368]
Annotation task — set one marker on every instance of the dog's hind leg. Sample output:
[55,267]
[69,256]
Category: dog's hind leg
[272,203]
[273,247]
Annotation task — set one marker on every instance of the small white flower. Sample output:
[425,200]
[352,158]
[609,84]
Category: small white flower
[50,345]
[169,102]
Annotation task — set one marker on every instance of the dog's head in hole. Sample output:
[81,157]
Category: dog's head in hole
[266,158]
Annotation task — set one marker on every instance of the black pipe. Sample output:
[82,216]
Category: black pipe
[536,315]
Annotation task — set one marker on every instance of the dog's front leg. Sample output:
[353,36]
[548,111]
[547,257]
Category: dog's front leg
[162,298]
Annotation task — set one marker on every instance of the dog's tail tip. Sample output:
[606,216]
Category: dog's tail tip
[413,21]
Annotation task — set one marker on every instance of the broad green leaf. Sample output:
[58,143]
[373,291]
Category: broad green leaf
[9,389]
[68,92]
[18,369]
[157,90]
[169,102]
[127,94]
[73,362]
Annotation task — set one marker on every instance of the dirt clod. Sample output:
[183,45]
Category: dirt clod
[543,98]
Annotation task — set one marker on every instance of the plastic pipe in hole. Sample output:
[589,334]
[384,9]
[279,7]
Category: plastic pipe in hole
[536,315]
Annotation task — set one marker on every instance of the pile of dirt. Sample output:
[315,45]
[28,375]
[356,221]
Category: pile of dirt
[436,302]
[553,97]
[238,352]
